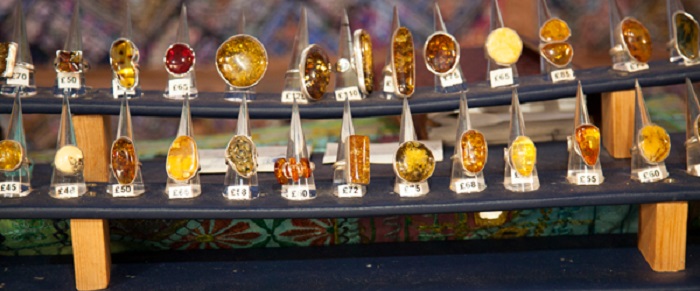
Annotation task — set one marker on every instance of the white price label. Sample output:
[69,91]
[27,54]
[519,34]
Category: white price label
[10,189]
[20,77]
[349,191]
[588,179]
[179,87]
[68,80]
[490,214]
[67,191]
[410,190]
[297,193]
[562,75]
[650,175]
[466,186]
[180,192]
[635,66]
[452,79]
[123,190]
[388,85]
[289,96]
[501,77]
[238,192]
[118,90]
[351,93]
[516,178]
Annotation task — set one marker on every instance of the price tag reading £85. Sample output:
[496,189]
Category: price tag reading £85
[20,77]
[66,191]
[562,75]
[351,93]
[289,96]
[180,192]
[349,191]
[452,79]
[68,80]
[123,190]
[297,193]
[179,87]
[466,186]
[238,192]
[10,189]
[650,175]
[501,77]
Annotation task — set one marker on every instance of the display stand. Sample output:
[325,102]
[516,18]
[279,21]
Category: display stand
[462,180]
[419,186]
[692,137]
[453,80]
[23,74]
[645,167]
[125,151]
[16,183]
[682,34]
[520,173]
[182,164]
[584,147]
[72,82]
[553,73]
[346,81]
[388,88]
[621,59]
[500,75]
[351,161]
[292,80]
[301,186]
[181,84]
[127,33]
[67,180]
[238,185]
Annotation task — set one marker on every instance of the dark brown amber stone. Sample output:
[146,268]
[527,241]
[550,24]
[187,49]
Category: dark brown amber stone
[316,72]
[441,53]
[125,162]
[403,62]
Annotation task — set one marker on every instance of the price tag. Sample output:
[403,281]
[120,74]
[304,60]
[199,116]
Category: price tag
[562,75]
[180,192]
[490,214]
[501,77]
[650,175]
[68,80]
[351,93]
[635,66]
[123,190]
[289,96]
[516,178]
[349,191]
[67,191]
[588,179]
[466,186]
[20,77]
[179,87]
[388,85]
[297,193]
[452,79]
[410,190]
[238,192]
[118,90]
[10,189]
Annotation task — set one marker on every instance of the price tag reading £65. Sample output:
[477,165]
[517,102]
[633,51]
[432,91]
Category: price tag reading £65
[123,190]
[349,191]
[466,186]
[452,79]
[562,75]
[10,189]
[180,192]
[20,77]
[297,193]
[501,77]
[68,80]
[238,192]
[289,96]
[351,93]
[650,175]
[67,191]
[179,87]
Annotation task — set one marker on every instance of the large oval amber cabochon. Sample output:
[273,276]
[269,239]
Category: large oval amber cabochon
[183,160]
[523,155]
[637,39]
[654,143]
[316,72]
[125,162]
[474,151]
[441,53]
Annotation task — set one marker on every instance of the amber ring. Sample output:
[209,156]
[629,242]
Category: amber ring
[69,61]
[362,51]
[123,147]
[581,135]
[291,169]
[434,44]
[686,53]
[401,48]
[314,71]
[658,151]
[474,151]
[175,156]
[644,39]
[357,155]
[241,156]
[124,57]
[8,53]
[15,147]
[524,169]
[179,59]
[241,61]
[504,46]
[419,167]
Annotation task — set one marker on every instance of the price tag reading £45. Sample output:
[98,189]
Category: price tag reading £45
[180,192]
[238,192]
[68,80]
[452,79]
[123,190]
[650,175]
[179,87]
[20,77]
[9,189]
[501,77]
[351,93]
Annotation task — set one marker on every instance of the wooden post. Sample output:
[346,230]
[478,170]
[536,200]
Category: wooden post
[662,235]
[618,122]
[90,237]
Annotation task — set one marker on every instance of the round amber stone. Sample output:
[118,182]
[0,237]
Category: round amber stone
[363,51]
[10,155]
[279,171]
[474,151]
[358,159]
[558,54]
[69,160]
[123,56]
[182,162]
[654,143]
[315,71]
[523,155]
[555,29]
[687,30]
[637,39]
[504,46]
[441,53]
[179,59]
[588,142]
[125,162]
[403,62]
[414,162]
[241,61]
[68,61]
[241,155]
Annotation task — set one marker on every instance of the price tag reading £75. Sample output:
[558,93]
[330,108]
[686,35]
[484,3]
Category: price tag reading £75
[20,77]
[180,192]
[238,192]
[411,190]
[179,87]
[452,79]
[466,186]
[501,77]
[68,80]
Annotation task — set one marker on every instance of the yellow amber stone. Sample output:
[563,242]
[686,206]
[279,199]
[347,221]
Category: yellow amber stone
[358,159]
[523,155]
[241,155]
[686,29]
[182,162]
[315,71]
[123,57]
[654,143]
[414,162]
[403,62]
[558,54]
[125,162]
[588,141]
[363,45]
[441,53]
[637,39]
[474,151]
[555,29]
[241,61]
[69,160]
[504,46]
[10,155]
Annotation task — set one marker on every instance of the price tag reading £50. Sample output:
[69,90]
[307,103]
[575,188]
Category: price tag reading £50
[68,80]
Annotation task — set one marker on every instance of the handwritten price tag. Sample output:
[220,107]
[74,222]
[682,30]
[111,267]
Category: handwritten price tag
[635,66]
[466,186]
[20,77]
[180,192]
[650,175]
[67,191]
[451,79]
[410,190]
[238,192]
[289,96]
[349,191]
[388,85]
[123,190]
[10,189]
[501,77]
[351,93]
[562,75]
[68,80]
[588,179]
[179,87]
[118,90]
[516,178]
[297,193]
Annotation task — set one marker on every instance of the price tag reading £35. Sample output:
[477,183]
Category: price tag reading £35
[289,96]
[650,175]
[501,77]
[123,190]
[67,191]
[180,192]
[20,77]
[238,192]
[562,75]
[351,93]
[179,87]
[68,80]
[349,191]
[452,79]
[10,189]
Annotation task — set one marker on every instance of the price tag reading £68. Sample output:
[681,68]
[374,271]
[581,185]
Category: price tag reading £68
[349,191]
[650,175]
[20,77]
[67,191]
[289,96]
[562,75]
[123,190]
[452,79]
[466,186]
[501,77]
[68,80]
[351,93]
[9,189]
[180,192]
[179,87]
[238,192]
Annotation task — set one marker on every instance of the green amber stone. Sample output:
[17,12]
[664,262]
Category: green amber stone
[687,30]
[241,155]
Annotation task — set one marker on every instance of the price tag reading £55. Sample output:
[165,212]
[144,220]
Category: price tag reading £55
[68,80]
[588,179]
[501,77]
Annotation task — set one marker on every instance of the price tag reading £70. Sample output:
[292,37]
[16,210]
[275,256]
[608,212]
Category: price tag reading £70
[452,79]
[180,192]
[68,80]
[20,77]
[179,87]
[238,192]
[501,77]
[650,175]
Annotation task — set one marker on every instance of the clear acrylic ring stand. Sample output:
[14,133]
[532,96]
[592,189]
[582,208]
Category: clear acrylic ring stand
[67,180]
[408,134]
[125,131]
[15,182]
[519,146]
[303,188]
[238,186]
[347,183]
[463,181]
[292,79]
[22,78]
[180,84]
[692,137]
[584,155]
[621,59]
[185,159]
[643,169]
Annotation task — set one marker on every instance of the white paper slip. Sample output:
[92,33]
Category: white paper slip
[562,75]
[66,191]
[501,77]
[351,93]
[212,161]
[289,96]
[383,153]
[119,91]
[68,80]
[516,178]
[634,66]
[650,175]
[350,191]
[20,77]
[238,192]
[9,189]
[466,185]
[490,214]
[123,190]
[411,190]
[297,193]
[588,179]
[452,79]
[179,87]
[180,192]
[388,85]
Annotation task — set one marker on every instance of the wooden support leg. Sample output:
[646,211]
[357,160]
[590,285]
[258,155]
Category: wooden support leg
[90,237]
[618,122]
[662,235]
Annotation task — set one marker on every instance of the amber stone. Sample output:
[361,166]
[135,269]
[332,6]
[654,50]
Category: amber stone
[523,155]
[8,54]
[474,151]
[179,59]
[68,61]
[69,160]
[558,54]
[363,44]
[241,155]
[637,39]
[124,58]
[292,169]
[588,142]
[241,61]
[441,53]
[414,162]
[304,167]
[11,155]
[315,71]
[182,162]
[555,29]
[125,162]
[687,30]
[358,159]
[403,62]
[279,171]
[504,46]
[654,143]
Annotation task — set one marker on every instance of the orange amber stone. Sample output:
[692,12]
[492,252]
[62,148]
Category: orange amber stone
[68,61]
[125,162]
[474,151]
[637,39]
[241,61]
[304,168]
[654,143]
[588,142]
[358,159]
[558,54]
[364,61]
[279,171]
[555,29]
[441,53]
[11,155]
[315,72]
[403,62]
